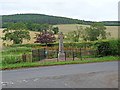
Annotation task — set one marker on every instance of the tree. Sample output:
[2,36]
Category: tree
[16,33]
[95,31]
[55,30]
[45,37]
[37,27]
[75,36]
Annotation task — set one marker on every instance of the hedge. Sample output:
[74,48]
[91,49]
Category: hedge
[112,45]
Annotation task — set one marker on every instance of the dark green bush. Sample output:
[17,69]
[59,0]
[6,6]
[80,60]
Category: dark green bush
[106,48]
[114,47]
[118,47]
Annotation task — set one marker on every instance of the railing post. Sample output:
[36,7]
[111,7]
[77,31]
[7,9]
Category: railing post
[57,55]
[65,56]
[80,53]
[38,55]
[24,57]
[32,56]
[45,54]
[73,56]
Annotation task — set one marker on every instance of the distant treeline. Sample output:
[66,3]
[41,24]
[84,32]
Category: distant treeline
[111,23]
[31,27]
[47,19]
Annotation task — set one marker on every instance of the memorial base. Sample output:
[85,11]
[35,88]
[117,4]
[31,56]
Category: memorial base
[61,56]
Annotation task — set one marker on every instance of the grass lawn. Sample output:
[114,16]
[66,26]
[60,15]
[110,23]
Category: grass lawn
[37,64]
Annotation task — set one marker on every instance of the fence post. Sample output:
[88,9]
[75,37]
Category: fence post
[45,54]
[80,53]
[38,55]
[57,55]
[65,56]
[32,56]
[24,57]
[73,56]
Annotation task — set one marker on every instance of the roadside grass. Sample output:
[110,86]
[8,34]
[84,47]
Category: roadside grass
[11,55]
[38,64]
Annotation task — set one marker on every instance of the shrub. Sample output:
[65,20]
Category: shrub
[114,47]
[110,47]
[11,59]
[104,49]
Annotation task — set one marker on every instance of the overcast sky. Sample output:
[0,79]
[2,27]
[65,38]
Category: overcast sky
[93,10]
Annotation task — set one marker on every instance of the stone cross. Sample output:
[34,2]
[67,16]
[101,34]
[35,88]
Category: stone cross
[61,54]
[61,47]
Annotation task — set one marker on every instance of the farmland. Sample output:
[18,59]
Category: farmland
[65,28]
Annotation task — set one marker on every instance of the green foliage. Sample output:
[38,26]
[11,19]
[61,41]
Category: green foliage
[75,36]
[39,19]
[95,31]
[55,30]
[27,45]
[118,47]
[13,55]
[105,48]
[79,44]
[111,23]
[42,19]
[16,50]
[37,27]
[114,46]
[32,27]
[11,59]
[16,33]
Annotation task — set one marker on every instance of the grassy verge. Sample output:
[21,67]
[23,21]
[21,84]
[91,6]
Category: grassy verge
[37,64]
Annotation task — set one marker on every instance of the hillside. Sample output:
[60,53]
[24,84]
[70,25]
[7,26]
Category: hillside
[41,19]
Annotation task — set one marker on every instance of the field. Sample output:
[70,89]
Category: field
[65,28]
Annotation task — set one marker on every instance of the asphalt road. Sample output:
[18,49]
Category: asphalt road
[93,75]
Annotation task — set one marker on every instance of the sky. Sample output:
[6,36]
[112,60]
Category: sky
[89,10]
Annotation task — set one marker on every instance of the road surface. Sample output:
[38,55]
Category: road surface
[93,75]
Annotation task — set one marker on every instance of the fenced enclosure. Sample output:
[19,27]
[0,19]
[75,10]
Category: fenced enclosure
[73,51]
[46,54]
[52,54]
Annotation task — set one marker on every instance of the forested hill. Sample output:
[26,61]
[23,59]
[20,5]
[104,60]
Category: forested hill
[39,18]
[42,19]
